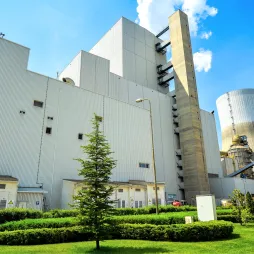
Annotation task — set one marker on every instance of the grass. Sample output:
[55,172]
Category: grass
[242,242]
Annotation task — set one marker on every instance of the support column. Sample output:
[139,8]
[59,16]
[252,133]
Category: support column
[190,128]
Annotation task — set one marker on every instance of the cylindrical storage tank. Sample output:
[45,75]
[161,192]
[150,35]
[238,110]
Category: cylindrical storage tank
[236,114]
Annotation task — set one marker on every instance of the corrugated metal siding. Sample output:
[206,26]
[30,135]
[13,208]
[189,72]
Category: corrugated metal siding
[19,134]
[242,114]
[127,129]
[31,199]
[212,152]
[73,70]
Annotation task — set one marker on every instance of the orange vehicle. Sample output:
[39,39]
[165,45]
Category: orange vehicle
[176,203]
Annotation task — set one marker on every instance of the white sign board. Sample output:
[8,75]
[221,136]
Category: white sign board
[206,207]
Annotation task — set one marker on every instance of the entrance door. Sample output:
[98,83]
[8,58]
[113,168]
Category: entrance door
[3,199]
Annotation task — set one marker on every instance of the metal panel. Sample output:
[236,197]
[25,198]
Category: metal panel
[73,109]
[140,33]
[128,131]
[151,75]
[140,71]
[73,70]
[150,54]
[88,71]
[140,49]
[168,145]
[129,43]
[129,65]
[135,92]
[20,134]
[102,76]
[236,108]
[32,200]
[212,152]
[149,37]
[128,27]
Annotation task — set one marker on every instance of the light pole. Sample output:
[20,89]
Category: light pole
[154,167]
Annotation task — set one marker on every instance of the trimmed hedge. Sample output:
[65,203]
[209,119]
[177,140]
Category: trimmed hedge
[12,214]
[198,231]
[39,223]
[58,213]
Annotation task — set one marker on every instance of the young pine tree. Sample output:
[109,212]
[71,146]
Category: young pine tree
[249,203]
[93,200]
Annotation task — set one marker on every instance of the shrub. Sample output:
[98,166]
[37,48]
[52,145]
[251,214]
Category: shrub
[38,223]
[58,213]
[13,214]
[198,231]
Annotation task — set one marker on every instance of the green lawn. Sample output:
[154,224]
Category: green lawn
[242,242]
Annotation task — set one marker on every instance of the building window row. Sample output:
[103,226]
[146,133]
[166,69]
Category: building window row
[144,165]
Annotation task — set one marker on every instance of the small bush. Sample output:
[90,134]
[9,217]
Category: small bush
[58,213]
[14,214]
[198,231]
[38,223]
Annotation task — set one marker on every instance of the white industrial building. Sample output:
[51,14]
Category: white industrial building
[43,120]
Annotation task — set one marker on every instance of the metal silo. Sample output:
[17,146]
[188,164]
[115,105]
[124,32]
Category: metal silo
[236,114]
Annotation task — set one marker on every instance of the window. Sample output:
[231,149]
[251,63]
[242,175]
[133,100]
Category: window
[123,203]
[157,188]
[48,130]
[140,203]
[120,190]
[137,190]
[80,136]
[3,204]
[136,204]
[144,165]
[2,186]
[38,104]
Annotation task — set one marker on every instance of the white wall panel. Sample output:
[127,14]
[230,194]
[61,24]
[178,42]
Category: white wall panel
[102,76]
[88,71]
[140,71]
[129,65]
[154,97]
[140,33]
[128,43]
[20,134]
[118,88]
[128,27]
[151,75]
[150,54]
[212,151]
[62,146]
[72,70]
[149,38]
[140,49]
[135,92]
[168,145]
[128,132]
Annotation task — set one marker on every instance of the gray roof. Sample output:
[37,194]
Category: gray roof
[8,178]
[31,190]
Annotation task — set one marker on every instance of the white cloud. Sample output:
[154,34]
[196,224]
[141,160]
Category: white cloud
[153,14]
[203,60]
[206,35]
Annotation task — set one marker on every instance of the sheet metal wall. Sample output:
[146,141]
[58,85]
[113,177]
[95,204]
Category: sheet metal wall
[30,199]
[242,111]
[211,145]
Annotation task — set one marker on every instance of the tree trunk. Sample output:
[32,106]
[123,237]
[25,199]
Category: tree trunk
[97,244]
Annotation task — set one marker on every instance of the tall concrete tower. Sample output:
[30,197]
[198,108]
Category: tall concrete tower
[190,130]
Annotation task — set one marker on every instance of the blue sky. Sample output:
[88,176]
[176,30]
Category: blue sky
[56,31]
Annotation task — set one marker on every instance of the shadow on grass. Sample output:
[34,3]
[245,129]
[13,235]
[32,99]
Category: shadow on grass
[126,250]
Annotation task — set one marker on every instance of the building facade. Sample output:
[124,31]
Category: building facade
[43,119]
